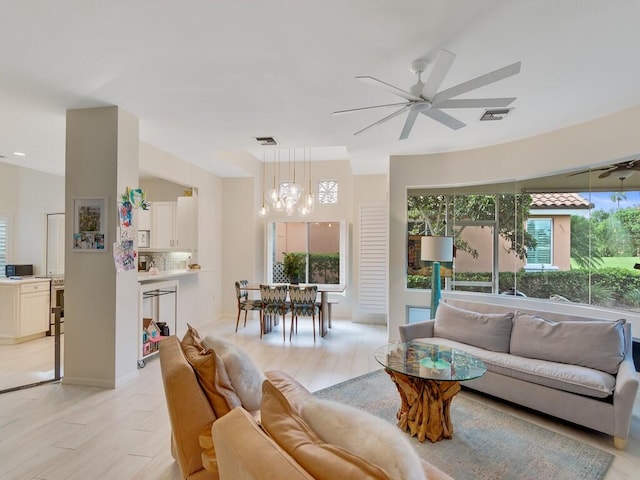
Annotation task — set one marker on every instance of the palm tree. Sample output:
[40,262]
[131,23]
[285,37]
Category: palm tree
[617,196]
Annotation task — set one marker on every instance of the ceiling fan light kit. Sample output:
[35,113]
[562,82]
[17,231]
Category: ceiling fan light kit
[424,98]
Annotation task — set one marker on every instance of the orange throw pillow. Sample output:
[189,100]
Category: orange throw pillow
[211,374]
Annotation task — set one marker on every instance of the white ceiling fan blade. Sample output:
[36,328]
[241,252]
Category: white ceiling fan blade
[475,103]
[353,110]
[444,118]
[440,69]
[408,124]
[390,88]
[481,81]
[382,120]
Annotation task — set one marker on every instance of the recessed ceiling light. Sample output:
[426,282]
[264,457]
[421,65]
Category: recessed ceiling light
[19,154]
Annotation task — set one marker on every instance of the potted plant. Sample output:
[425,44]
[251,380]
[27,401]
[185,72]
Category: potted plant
[294,266]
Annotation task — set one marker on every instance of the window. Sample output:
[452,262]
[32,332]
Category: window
[541,232]
[4,234]
[323,245]
[328,191]
[579,244]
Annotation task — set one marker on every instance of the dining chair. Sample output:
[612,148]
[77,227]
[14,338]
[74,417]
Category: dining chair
[303,302]
[244,303]
[274,302]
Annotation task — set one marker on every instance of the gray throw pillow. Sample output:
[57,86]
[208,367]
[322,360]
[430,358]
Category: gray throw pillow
[598,344]
[490,331]
[244,374]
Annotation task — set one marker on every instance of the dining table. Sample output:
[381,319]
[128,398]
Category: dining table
[324,290]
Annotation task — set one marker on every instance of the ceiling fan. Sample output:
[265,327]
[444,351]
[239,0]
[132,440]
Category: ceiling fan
[424,98]
[619,169]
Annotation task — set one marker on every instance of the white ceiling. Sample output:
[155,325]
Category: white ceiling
[206,77]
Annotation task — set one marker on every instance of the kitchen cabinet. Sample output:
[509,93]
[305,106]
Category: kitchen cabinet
[174,224]
[187,223]
[144,219]
[26,306]
[163,225]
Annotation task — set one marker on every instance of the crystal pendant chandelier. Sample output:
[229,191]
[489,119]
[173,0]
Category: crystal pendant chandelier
[288,197]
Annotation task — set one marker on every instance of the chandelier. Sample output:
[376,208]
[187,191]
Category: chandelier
[288,196]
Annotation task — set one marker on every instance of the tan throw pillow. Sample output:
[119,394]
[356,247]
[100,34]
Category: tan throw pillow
[598,344]
[366,435]
[244,374]
[321,460]
[491,331]
[211,374]
[192,337]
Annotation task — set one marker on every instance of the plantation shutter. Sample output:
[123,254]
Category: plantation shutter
[4,232]
[373,284]
[540,230]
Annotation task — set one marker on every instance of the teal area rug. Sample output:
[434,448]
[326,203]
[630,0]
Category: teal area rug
[487,444]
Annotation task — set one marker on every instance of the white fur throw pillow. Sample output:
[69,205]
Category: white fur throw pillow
[244,374]
[365,435]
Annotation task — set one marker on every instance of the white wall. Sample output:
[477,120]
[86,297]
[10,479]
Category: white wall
[27,196]
[605,140]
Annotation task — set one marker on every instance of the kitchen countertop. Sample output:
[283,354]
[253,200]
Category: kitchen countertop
[23,280]
[164,274]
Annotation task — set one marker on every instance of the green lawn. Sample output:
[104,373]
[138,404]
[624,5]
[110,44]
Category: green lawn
[619,262]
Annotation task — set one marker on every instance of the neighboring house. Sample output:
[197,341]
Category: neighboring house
[549,222]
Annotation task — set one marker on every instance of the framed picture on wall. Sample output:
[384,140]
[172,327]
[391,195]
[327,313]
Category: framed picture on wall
[90,224]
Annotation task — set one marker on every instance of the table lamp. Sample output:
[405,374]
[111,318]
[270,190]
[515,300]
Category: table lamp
[436,249]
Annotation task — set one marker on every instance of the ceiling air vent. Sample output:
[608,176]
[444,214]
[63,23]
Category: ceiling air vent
[498,114]
[267,141]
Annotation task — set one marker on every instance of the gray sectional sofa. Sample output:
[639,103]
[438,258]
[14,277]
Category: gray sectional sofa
[574,368]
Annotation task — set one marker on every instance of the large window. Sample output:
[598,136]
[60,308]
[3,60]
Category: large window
[322,245]
[570,237]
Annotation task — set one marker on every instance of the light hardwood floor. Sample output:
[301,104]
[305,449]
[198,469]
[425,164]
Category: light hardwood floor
[60,431]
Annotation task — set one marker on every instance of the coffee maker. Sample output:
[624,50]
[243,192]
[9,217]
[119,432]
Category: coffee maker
[143,262]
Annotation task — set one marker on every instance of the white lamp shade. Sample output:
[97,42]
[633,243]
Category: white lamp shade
[436,249]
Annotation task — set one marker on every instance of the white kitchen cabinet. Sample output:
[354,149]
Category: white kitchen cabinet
[174,224]
[163,225]
[187,223]
[26,306]
[144,219]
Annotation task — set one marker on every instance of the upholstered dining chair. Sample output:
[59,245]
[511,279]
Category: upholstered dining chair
[244,303]
[274,302]
[303,302]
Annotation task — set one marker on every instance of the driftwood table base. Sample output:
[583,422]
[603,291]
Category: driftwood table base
[425,409]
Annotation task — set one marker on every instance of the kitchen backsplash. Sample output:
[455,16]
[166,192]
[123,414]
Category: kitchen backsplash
[169,260]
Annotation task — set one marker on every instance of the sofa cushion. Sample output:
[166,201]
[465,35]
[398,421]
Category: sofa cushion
[366,435]
[560,376]
[322,460]
[490,331]
[244,374]
[211,374]
[598,344]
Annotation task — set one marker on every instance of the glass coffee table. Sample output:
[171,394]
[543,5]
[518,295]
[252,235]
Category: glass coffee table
[427,378]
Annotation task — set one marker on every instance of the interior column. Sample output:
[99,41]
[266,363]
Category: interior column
[101,306]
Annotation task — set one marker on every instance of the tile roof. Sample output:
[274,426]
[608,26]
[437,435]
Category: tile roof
[559,200]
